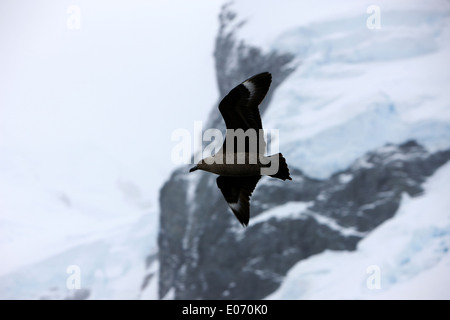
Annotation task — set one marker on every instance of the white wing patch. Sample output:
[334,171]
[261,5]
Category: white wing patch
[235,206]
[250,87]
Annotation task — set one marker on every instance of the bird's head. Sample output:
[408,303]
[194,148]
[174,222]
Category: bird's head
[203,164]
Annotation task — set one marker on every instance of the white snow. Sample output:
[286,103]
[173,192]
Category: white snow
[289,210]
[112,264]
[299,210]
[345,178]
[410,251]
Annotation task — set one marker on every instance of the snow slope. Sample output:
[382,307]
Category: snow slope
[409,253]
[113,263]
[86,117]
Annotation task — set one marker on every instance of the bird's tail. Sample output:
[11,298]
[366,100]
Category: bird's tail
[283,170]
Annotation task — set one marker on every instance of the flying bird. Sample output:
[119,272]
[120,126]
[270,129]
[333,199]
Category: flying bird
[240,162]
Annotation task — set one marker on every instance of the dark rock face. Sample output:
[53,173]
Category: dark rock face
[236,61]
[204,253]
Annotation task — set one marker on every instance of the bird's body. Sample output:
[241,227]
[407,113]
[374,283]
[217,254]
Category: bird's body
[240,162]
[234,164]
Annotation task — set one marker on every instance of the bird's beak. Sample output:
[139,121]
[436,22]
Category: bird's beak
[193,169]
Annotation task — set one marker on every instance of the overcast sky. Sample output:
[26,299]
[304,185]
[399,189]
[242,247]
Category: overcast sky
[132,73]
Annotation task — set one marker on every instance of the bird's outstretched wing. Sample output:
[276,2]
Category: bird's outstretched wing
[239,108]
[237,192]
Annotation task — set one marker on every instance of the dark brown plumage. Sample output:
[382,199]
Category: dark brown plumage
[239,109]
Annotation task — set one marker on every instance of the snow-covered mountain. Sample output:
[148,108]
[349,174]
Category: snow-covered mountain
[363,116]
[364,122]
